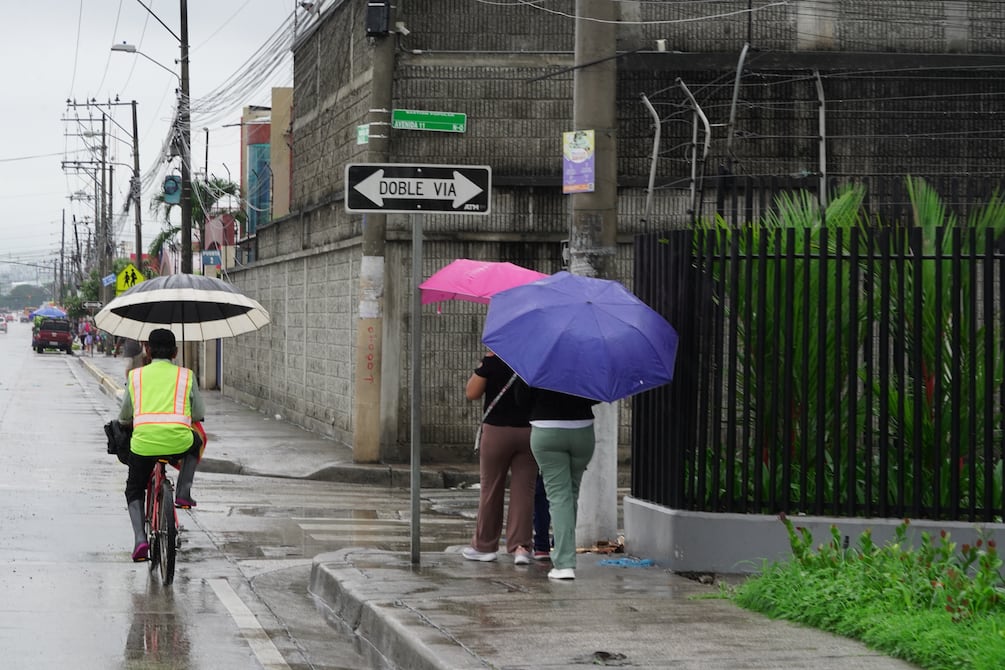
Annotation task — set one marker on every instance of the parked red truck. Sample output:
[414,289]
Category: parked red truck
[53,334]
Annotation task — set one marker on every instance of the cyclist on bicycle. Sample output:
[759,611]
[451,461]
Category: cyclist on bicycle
[161,402]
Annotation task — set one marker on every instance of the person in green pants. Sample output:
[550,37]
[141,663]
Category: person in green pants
[562,441]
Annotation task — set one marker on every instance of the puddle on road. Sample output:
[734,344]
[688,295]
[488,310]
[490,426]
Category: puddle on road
[272,512]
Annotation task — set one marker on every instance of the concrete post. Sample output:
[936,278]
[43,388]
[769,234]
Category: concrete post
[592,237]
[366,446]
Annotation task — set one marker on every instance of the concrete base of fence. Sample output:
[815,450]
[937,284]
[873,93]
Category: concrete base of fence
[740,543]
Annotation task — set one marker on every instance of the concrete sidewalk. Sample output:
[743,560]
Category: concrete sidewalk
[448,612]
[242,440]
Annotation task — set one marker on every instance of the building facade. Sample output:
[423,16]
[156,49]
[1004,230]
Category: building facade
[833,90]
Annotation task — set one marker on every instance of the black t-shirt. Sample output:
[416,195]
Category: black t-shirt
[555,406]
[507,412]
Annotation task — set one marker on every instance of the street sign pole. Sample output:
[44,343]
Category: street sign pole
[414,190]
[415,478]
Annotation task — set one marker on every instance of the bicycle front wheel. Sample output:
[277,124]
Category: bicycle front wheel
[167,540]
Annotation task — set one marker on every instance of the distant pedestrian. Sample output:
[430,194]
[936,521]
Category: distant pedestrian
[504,449]
[132,351]
[562,440]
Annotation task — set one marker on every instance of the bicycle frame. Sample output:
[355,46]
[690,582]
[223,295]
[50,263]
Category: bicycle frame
[161,522]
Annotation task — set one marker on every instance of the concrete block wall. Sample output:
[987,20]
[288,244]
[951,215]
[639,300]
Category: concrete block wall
[300,366]
[331,96]
[484,62]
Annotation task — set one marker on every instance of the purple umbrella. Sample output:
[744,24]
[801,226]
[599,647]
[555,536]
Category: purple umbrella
[587,337]
[49,311]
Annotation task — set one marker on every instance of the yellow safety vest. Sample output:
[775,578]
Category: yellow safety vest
[162,412]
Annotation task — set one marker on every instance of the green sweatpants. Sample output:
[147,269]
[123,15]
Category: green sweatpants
[563,454]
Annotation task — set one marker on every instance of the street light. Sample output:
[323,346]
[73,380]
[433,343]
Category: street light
[184,128]
[131,49]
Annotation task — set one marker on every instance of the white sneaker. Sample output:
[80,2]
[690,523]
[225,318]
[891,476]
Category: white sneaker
[521,556]
[561,573]
[473,554]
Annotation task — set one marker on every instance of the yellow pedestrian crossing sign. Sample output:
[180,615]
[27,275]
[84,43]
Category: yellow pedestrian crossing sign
[128,278]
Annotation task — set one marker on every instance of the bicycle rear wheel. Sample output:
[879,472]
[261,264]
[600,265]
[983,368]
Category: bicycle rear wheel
[167,540]
[151,527]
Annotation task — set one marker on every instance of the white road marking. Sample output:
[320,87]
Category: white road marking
[251,630]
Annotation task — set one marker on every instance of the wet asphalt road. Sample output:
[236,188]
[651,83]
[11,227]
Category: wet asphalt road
[71,598]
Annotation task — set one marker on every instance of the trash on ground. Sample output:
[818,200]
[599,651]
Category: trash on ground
[628,562]
[604,547]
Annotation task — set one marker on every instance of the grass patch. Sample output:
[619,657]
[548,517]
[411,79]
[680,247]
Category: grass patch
[936,605]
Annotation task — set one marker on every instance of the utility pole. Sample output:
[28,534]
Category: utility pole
[134,190]
[77,258]
[366,446]
[105,223]
[94,254]
[135,185]
[593,236]
[185,129]
[62,258]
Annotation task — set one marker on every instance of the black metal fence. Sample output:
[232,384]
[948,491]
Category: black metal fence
[845,372]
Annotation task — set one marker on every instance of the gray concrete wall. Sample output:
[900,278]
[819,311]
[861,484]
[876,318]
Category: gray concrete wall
[740,543]
[484,61]
[300,365]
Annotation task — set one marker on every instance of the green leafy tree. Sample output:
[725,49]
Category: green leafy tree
[26,295]
[165,238]
[206,195]
[90,290]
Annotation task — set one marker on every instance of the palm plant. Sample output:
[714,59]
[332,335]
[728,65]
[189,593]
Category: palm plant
[818,301]
[792,361]
[952,356]
[206,195]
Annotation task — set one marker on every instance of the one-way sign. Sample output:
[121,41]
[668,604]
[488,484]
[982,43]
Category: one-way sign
[405,188]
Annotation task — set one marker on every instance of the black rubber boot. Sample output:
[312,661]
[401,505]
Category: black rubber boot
[141,549]
[183,496]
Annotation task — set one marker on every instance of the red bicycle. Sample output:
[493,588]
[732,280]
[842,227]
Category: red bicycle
[161,522]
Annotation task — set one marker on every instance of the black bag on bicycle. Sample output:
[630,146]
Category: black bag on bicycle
[118,440]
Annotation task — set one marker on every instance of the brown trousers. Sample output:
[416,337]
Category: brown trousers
[505,450]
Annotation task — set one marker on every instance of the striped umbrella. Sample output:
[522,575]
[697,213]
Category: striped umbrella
[195,308]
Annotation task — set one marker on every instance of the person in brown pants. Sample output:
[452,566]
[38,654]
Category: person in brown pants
[504,449]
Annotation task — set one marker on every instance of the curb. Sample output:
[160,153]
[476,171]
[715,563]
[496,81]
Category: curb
[391,476]
[108,386]
[380,623]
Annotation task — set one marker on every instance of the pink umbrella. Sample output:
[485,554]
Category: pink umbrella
[474,281]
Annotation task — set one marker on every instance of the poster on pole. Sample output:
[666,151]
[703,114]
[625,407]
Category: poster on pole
[578,172]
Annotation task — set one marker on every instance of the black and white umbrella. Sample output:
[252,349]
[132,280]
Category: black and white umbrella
[195,308]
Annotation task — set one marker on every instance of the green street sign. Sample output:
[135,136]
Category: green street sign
[413,119]
[363,134]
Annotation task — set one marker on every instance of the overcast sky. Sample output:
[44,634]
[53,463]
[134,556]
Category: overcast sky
[61,49]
